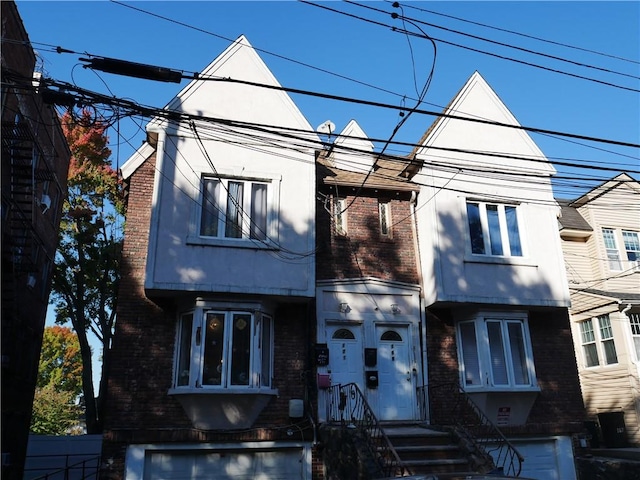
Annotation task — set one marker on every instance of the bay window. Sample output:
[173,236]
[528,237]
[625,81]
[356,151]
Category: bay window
[221,349]
[493,229]
[634,322]
[495,352]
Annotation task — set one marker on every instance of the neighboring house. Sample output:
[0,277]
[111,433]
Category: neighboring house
[211,350]
[35,160]
[494,283]
[600,234]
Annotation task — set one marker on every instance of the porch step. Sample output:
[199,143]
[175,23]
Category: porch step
[426,451]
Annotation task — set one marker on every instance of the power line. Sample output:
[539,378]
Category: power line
[532,37]
[484,52]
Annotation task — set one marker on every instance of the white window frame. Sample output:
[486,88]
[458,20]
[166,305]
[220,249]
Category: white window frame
[384,217]
[596,333]
[197,236]
[191,343]
[485,377]
[611,248]
[632,247]
[508,250]
[340,215]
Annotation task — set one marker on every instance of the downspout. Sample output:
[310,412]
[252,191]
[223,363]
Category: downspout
[423,323]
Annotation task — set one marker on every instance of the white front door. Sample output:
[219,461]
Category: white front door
[397,384]
[345,354]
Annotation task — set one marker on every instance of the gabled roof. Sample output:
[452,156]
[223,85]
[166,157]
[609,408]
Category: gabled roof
[619,180]
[477,100]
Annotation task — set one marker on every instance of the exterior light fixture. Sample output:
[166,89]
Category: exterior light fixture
[395,309]
[344,308]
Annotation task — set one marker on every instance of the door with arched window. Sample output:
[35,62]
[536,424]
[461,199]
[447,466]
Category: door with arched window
[345,354]
[397,379]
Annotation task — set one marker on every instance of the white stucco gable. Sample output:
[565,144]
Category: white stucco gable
[211,96]
[476,99]
[351,149]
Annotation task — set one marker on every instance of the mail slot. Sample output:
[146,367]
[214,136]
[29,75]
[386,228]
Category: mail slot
[372,378]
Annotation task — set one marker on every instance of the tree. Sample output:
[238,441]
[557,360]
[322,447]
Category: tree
[54,412]
[60,361]
[86,273]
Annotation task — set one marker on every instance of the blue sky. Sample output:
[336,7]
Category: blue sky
[309,48]
[347,52]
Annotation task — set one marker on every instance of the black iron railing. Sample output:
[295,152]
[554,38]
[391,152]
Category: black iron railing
[479,436]
[73,468]
[347,406]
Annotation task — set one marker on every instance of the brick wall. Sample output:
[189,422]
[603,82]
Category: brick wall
[139,409]
[363,251]
[558,409]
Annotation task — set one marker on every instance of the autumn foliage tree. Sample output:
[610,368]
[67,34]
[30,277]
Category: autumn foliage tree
[86,275]
[55,407]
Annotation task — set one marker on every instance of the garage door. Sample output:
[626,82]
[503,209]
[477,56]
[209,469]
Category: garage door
[224,464]
[549,459]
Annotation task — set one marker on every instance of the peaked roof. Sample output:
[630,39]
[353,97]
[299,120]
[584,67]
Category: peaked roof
[460,106]
[606,187]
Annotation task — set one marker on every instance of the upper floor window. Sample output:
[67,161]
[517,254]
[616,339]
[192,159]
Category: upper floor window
[384,213]
[598,331]
[224,349]
[340,215]
[634,321]
[631,246]
[234,208]
[493,229]
[495,352]
[617,256]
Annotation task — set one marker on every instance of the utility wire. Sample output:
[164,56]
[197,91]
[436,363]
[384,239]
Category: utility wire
[532,37]
[484,52]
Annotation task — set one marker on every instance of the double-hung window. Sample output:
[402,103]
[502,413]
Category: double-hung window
[609,237]
[495,352]
[593,332]
[494,229]
[221,349]
[632,247]
[234,208]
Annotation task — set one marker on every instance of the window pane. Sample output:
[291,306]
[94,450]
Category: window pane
[610,352]
[241,349]
[213,364]
[513,231]
[383,211]
[496,352]
[518,353]
[634,320]
[631,245]
[265,377]
[184,352]
[494,230]
[470,360]
[606,335]
[588,344]
[210,207]
[475,228]
[612,249]
[233,225]
[258,228]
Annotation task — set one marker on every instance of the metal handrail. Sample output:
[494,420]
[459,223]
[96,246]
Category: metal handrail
[87,471]
[347,406]
[479,432]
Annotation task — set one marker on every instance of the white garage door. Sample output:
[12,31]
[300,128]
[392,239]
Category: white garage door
[283,464]
[548,459]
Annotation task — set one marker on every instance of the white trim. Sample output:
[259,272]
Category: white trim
[137,159]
